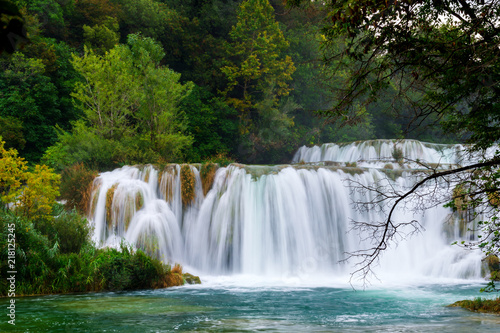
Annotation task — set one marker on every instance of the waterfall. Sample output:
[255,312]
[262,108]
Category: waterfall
[278,220]
[377,153]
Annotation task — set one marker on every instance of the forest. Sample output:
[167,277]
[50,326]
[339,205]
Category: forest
[116,82]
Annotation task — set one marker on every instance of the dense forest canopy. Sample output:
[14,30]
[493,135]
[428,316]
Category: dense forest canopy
[189,81]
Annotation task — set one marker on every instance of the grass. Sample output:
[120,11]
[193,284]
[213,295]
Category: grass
[207,174]
[187,185]
[480,305]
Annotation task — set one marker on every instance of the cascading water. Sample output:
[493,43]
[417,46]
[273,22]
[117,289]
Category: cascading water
[277,221]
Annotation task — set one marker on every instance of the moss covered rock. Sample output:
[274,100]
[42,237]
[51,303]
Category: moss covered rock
[191,279]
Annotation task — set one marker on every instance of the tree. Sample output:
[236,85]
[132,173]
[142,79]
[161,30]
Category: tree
[102,37]
[212,123]
[32,193]
[108,96]
[442,56]
[446,50]
[131,105]
[160,95]
[29,96]
[256,63]
[12,169]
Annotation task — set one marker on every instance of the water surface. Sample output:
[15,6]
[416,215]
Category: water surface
[223,306]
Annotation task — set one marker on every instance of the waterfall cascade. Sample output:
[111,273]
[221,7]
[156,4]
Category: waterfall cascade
[380,153]
[278,220]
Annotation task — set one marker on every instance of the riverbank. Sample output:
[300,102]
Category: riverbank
[480,305]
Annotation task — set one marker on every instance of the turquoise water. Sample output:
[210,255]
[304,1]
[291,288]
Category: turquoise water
[232,308]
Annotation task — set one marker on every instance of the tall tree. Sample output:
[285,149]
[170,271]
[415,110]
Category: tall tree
[256,62]
[108,94]
[29,96]
[129,101]
[160,95]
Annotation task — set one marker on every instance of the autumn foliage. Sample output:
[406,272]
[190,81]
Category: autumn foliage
[30,193]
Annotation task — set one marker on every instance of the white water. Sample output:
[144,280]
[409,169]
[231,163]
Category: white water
[379,154]
[283,223]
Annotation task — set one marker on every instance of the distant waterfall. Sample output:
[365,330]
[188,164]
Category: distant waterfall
[382,150]
[275,220]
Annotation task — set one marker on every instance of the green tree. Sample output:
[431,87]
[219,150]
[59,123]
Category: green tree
[256,63]
[131,105]
[160,94]
[12,28]
[29,96]
[102,37]
[108,96]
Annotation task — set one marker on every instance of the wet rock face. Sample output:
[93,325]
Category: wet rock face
[494,267]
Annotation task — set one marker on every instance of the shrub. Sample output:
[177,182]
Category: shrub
[72,231]
[187,184]
[480,305]
[45,264]
[222,159]
[76,186]
[397,154]
[207,174]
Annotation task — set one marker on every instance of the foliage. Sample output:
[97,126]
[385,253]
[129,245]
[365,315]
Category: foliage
[35,200]
[12,174]
[221,159]
[212,124]
[436,61]
[161,94]
[11,130]
[256,64]
[187,185]
[82,145]
[480,305]
[31,97]
[11,27]
[76,185]
[130,104]
[65,261]
[102,37]
[422,46]
[108,95]
[397,154]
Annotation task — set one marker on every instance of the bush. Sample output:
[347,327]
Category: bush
[82,145]
[72,231]
[221,159]
[207,175]
[480,305]
[397,154]
[76,186]
[187,184]
[45,264]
